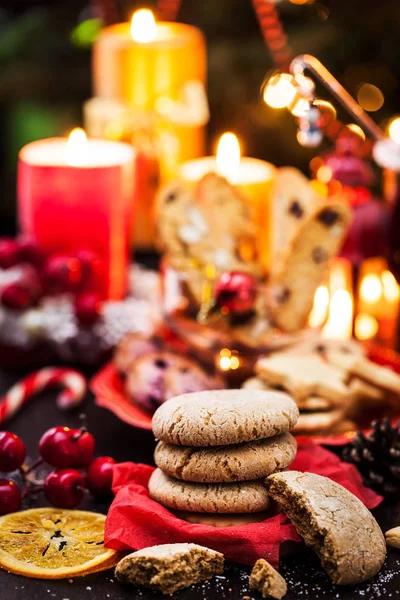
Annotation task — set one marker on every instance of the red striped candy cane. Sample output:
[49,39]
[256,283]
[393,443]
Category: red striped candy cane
[22,392]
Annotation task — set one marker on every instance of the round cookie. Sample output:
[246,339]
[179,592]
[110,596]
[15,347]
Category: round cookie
[224,417]
[158,376]
[220,498]
[331,520]
[238,462]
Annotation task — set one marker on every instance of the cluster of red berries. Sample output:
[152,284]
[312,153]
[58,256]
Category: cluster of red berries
[65,449]
[40,275]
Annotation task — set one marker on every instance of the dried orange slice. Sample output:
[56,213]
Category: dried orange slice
[51,543]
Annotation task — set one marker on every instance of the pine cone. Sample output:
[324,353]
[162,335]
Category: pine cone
[377,456]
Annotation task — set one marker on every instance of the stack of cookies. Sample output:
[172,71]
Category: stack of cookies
[215,450]
[332,382]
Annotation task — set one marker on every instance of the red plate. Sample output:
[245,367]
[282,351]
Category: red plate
[107,386]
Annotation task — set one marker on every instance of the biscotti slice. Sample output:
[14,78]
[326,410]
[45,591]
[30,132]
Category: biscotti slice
[169,567]
[224,417]
[266,580]
[219,498]
[336,524]
[302,268]
[224,464]
[293,201]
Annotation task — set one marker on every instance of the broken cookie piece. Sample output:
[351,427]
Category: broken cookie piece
[333,522]
[266,580]
[169,567]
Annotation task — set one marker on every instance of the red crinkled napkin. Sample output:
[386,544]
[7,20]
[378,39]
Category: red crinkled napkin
[136,521]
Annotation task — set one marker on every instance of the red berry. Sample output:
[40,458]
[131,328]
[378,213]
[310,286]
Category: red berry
[64,488]
[62,274]
[10,497]
[236,292]
[29,251]
[87,308]
[16,295]
[65,447]
[91,269]
[8,253]
[12,452]
[86,445]
[99,476]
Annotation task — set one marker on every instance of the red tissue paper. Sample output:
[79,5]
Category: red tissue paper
[136,521]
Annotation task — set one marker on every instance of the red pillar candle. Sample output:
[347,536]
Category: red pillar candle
[77,194]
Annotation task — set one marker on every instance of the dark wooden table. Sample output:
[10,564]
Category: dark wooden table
[301,569]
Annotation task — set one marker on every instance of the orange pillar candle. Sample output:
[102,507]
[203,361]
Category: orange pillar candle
[149,85]
[143,61]
[253,178]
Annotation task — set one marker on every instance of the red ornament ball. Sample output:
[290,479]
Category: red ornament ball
[10,497]
[30,252]
[99,476]
[64,488]
[8,253]
[65,447]
[12,452]
[62,274]
[235,292]
[87,308]
[16,295]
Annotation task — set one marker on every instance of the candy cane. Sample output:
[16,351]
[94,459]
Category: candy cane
[22,392]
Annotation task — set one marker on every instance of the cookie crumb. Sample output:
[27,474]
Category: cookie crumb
[266,580]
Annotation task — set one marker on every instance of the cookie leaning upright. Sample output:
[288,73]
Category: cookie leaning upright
[301,267]
[193,234]
[223,417]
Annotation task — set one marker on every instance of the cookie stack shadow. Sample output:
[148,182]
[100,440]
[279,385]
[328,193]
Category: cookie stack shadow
[215,450]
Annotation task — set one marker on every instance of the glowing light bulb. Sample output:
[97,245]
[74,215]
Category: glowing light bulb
[371,288]
[77,148]
[225,363]
[228,156]
[299,107]
[143,26]
[365,326]
[279,91]
[394,130]
[324,174]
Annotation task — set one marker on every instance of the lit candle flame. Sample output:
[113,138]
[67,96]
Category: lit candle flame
[143,26]
[365,326]
[371,288]
[340,321]
[228,156]
[320,308]
[77,148]
[390,287]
